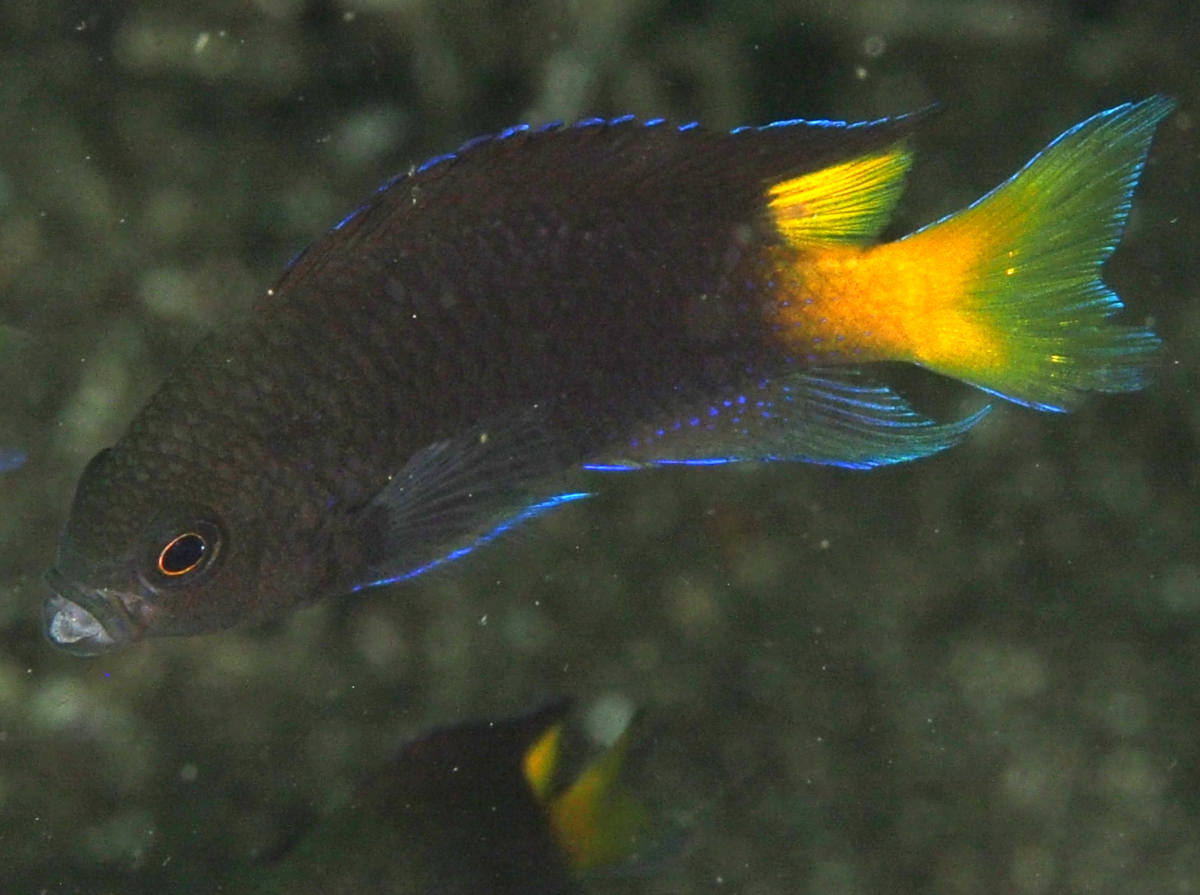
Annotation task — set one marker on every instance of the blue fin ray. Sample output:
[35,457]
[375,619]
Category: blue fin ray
[827,416]
[456,495]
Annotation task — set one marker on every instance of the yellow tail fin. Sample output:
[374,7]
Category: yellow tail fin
[596,820]
[1006,294]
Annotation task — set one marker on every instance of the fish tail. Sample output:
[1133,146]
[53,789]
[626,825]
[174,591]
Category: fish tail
[1006,294]
[596,821]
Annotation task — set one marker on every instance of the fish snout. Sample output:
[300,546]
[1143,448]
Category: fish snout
[85,622]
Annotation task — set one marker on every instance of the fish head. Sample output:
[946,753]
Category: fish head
[146,552]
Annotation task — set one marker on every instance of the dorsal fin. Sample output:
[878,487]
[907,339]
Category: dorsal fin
[846,202]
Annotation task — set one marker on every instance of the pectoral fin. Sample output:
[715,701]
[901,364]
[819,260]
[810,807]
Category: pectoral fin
[458,494]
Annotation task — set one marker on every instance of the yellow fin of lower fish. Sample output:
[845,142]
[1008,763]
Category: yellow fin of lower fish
[541,763]
[597,821]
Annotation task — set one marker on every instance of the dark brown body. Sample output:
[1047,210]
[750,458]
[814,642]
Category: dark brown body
[596,277]
[451,814]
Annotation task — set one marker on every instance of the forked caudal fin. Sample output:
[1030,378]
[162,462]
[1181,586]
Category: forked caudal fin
[1005,294]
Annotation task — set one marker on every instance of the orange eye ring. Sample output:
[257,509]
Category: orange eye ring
[182,548]
[182,554]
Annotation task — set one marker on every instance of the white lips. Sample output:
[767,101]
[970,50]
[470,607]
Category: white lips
[71,623]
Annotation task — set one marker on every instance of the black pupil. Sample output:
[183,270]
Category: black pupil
[182,555]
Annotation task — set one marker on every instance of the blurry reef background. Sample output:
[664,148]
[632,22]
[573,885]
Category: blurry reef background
[978,673]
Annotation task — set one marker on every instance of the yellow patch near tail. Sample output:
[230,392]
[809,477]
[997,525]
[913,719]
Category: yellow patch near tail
[847,202]
[846,304]
[842,302]
[597,821]
[1005,295]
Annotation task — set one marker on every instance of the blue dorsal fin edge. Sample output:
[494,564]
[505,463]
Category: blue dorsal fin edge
[583,123]
[629,118]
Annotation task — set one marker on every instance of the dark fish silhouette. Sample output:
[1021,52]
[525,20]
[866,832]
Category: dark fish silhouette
[607,296]
[474,809]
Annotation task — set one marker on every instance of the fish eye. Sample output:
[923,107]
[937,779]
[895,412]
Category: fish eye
[182,548]
[183,554]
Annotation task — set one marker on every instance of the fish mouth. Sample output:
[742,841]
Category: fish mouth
[85,622]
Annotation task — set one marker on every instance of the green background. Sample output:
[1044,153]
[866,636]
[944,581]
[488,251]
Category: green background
[976,673]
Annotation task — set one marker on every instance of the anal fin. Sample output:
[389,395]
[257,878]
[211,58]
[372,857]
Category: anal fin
[828,416]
